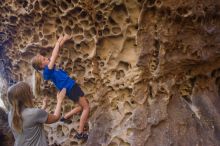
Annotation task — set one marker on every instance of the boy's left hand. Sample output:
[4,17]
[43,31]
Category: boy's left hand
[60,39]
[67,37]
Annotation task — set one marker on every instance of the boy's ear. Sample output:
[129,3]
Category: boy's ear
[42,66]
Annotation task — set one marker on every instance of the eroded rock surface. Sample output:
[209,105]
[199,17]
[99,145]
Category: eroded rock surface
[150,68]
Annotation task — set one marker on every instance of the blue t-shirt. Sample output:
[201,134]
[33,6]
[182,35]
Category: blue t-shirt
[60,78]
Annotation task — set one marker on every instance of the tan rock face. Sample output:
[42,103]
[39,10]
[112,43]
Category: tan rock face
[149,68]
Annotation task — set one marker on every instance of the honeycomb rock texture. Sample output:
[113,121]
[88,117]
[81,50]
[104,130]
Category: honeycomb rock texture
[149,68]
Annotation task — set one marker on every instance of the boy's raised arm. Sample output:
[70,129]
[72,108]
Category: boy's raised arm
[65,38]
[59,43]
[55,53]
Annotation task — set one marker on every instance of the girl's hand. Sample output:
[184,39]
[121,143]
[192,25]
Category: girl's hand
[61,95]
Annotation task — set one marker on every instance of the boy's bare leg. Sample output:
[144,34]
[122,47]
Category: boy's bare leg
[72,112]
[83,102]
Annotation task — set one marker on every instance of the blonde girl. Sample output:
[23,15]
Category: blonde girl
[26,121]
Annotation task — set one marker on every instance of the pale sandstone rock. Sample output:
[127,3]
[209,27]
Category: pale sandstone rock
[149,68]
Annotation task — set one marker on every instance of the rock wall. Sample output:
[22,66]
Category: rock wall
[150,68]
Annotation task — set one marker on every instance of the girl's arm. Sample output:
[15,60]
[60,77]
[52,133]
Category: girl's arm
[55,117]
[59,43]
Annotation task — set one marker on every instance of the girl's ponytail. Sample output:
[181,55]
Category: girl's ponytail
[37,82]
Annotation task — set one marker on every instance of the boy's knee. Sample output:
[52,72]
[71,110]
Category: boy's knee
[87,101]
[80,108]
[86,108]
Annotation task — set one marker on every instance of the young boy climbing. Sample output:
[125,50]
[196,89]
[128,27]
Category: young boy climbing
[61,80]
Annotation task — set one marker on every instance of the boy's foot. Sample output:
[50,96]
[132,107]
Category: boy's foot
[81,136]
[68,121]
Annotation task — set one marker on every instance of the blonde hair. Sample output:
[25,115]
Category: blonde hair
[37,82]
[36,63]
[19,96]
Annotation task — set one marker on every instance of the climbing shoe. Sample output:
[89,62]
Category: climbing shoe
[81,136]
[67,121]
